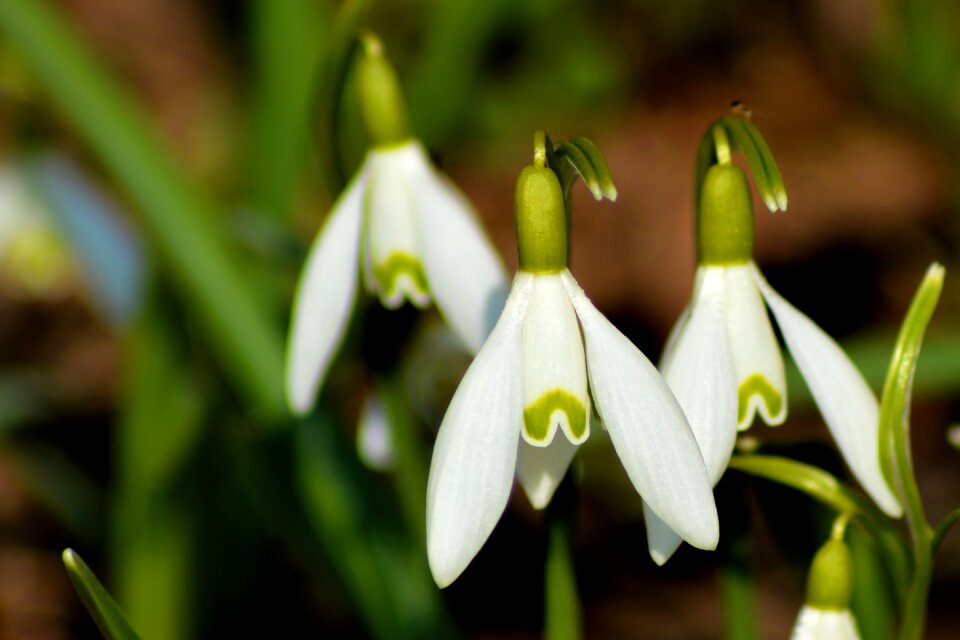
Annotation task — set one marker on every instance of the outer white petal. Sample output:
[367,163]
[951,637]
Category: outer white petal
[465,274]
[391,227]
[540,469]
[822,624]
[700,373]
[755,348]
[324,297]
[848,405]
[476,450]
[647,427]
[553,359]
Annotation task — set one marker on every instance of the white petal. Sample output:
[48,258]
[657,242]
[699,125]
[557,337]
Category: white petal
[647,427]
[701,375]
[476,450]
[391,231]
[554,369]
[824,624]
[675,332]
[848,405]
[540,469]
[464,272]
[324,297]
[756,355]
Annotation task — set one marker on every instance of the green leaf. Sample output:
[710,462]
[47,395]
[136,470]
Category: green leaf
[895,455]
[105,612]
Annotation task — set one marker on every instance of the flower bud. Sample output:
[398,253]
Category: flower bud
[725,217]
[541,221]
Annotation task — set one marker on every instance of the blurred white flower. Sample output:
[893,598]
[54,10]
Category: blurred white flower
[415,237]
[825,624]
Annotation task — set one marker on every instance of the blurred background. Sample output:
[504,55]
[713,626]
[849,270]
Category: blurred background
[159,187]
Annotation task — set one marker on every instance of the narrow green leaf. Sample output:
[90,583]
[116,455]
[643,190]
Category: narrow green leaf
[600,166]
[578,160]
[944,527]
[778,190]
[105,612]
[745,144]
[562,601]
[895,455]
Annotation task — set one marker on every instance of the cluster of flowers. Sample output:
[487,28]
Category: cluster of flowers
[552,359]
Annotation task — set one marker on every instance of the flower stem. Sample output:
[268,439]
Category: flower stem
[737,592]
[563,619]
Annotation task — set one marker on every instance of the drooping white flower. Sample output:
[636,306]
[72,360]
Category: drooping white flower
[409,230]
[826,614]
[724,364]
[825,624]
[524,404]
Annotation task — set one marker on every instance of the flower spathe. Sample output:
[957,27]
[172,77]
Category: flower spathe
[415,238]
[524,404]
[724,364]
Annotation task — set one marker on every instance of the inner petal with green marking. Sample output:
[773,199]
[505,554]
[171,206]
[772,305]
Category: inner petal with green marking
[556,409]
[757,394]
[401,276]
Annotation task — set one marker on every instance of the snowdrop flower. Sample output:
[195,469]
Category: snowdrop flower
[826,614]
[406,227]
[524,404]
[724,364]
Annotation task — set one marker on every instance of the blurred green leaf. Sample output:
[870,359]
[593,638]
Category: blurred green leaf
[99,604]
[179,218]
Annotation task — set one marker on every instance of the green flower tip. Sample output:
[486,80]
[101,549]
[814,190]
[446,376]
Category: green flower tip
[381,98]
[831,577]
[541,221]
[725,217]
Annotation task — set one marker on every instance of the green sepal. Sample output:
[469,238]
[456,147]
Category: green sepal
[724,221]
[741,135]
[895,455]
[536,417]
[541,221]
[381,97]
[830,584]
[102,608]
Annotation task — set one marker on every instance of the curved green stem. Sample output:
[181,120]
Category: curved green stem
[943,529]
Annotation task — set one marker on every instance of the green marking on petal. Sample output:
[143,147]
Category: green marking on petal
[537,417]
[757,385]
[388,272]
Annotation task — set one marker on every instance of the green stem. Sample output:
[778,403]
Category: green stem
[563,617]
[737,592]
[411,462]
[178,217]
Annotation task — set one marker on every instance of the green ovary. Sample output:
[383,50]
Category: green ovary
[758,385]
[388,272]
[536,417]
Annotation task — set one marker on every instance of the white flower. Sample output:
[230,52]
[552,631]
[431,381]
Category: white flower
[825,624]
[535,376]
[415,237]
[724,365]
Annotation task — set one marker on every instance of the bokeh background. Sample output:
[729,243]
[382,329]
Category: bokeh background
[138,391]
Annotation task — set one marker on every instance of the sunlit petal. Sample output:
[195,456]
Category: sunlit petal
[756,355]
[647,427]
[324,297]
[554,369]
[476,449]
[848,405]
[540,469]
[464,272]
[395,267]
